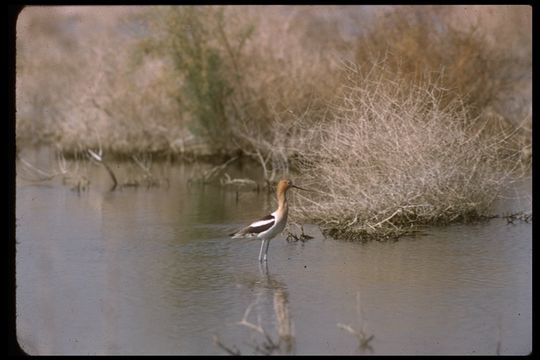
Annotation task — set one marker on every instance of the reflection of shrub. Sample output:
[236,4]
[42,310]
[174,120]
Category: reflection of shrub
[392,156]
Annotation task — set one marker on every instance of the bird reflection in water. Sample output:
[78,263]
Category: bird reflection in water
[265,341]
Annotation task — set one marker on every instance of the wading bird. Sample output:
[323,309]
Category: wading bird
[269,226]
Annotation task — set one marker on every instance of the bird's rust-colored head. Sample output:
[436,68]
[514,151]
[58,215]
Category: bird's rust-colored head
[285,184]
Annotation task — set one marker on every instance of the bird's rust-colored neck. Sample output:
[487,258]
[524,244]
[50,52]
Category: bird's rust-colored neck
[282,199]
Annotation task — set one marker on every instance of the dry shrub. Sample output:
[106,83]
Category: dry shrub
[229,78]
[79,85]
[423,39]
[418,139]
[242,69]
[168,79]
[40,46]
[288,74]
[246,73]
[291,61]
[418,44]
[204,58]
[394,155]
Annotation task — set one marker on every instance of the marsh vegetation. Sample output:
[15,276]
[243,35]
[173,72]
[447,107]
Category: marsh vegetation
[398,117]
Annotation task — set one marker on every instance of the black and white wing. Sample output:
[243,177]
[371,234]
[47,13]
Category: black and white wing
[256,227]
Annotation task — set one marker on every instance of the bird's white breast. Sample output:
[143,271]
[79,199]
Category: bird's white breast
[281,221]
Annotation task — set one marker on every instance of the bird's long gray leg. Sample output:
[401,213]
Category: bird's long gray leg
[263,268]
[266,250]
[261,251]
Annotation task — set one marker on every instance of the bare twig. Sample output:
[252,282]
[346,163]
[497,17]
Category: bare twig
[42,175]
[99,159]
[361,335]
[226,180]
[231,351]
[144,164]
[211,173]
[248,324]
[302,237]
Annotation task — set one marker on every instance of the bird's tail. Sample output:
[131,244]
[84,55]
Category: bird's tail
[242,233]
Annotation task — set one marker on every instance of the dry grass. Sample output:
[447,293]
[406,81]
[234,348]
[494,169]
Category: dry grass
[217,79]
[85,88]
[392,156]
[421,39]
[244,73]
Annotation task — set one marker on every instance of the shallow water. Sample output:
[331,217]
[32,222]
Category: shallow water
[152,271]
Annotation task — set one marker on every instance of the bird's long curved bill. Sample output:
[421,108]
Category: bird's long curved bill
[298,187]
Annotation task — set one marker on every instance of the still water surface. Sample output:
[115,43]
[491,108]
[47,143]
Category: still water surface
[152,271]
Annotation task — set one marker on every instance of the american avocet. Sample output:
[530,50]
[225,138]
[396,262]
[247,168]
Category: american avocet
[272,224]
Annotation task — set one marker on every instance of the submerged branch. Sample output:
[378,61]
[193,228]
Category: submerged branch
[230,351]
[99,159]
